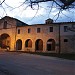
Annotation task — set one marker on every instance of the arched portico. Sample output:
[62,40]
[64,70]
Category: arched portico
[28,43]
[5,41]
[39,45]
[51,45]
[19,44]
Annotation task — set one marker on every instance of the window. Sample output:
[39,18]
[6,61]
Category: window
[29,30]
[65,40]
[50,29]
[38,30]
[18,31]
[5,25]
[48,22]
[65,28]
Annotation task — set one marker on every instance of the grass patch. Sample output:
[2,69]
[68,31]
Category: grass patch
[64,56]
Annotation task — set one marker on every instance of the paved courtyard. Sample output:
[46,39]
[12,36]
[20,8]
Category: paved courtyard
[28,64]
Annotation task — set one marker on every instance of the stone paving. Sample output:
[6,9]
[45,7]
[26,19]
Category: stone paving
[28,64]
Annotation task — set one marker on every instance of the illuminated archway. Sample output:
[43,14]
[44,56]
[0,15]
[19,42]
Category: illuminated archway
[19,44]
[5,41]
[51,45]
[38,45]
[28,43]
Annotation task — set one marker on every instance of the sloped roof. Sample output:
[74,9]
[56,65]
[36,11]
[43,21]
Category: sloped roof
[19,23]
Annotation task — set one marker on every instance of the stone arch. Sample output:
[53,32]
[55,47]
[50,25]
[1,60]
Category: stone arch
[51,45]
[19,44]
[39,45]
[5,41]
[28,43]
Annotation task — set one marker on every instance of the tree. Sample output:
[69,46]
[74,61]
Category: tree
[63,4]
[60,5]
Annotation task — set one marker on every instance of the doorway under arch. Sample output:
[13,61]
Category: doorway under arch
[28,43]
[51,45]
[5,41]
[39,45]
[19,44]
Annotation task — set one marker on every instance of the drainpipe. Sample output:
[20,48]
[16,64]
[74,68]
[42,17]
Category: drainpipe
[15,38]
[59,41]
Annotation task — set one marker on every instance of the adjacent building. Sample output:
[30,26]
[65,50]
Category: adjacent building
[16,35]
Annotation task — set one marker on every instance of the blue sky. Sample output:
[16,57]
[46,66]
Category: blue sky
[36,15]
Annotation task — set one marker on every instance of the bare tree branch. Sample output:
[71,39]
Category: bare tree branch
[2,2]
[35,14]
[51,8]
[60,5]
[57,15]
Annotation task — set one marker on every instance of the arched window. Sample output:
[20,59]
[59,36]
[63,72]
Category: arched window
[5,25]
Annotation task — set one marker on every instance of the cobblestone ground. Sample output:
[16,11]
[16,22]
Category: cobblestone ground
[28,64]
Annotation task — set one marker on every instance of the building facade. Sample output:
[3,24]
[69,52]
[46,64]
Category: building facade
[49,37]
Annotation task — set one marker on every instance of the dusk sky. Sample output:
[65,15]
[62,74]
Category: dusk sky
[36,15]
